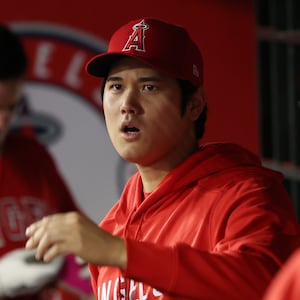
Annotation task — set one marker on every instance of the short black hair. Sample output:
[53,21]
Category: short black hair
[187,92]
[13,58]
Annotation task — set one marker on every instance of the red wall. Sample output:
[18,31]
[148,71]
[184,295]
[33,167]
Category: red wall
[224,29]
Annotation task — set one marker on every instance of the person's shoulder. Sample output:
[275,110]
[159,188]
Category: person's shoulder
[233,151]
[233,164]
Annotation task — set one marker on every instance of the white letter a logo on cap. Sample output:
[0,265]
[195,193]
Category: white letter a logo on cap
[136,39]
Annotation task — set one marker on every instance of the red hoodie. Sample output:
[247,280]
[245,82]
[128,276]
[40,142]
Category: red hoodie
[218,226]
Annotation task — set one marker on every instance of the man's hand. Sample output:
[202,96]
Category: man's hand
[64,233]
[21,274]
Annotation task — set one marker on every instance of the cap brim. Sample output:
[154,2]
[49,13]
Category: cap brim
[99,65]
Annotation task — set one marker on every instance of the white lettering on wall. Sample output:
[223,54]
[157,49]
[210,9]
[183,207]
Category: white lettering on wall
[75,67]
[44,53]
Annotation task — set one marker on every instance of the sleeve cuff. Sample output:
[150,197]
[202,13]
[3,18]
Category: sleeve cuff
[152,264]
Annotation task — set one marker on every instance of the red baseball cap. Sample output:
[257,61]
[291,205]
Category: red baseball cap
[161,45]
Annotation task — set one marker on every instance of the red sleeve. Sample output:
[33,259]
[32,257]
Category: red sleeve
[286,284]
[188,272]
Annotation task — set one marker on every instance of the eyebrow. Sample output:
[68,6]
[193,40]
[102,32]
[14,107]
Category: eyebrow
[141,79]
[113,78]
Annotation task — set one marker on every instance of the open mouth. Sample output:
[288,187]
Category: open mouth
[129,129]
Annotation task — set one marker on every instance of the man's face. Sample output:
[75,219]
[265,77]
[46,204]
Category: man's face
[143,115]
[10,94]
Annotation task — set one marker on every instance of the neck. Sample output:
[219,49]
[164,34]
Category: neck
[153,174]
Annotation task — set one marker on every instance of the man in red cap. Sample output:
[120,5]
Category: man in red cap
[195,221]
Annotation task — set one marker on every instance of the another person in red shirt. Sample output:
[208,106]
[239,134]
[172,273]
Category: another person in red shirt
[31,186]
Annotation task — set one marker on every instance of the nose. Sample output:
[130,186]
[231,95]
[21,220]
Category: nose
[130,103]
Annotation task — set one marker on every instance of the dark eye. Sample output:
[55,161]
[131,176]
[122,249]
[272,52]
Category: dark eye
[149,87]
[116,86]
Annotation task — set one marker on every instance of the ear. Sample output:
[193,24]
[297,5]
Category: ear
[196,104]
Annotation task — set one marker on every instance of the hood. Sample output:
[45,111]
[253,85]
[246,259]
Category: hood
[209,160]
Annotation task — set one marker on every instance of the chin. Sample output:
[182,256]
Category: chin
[130,156]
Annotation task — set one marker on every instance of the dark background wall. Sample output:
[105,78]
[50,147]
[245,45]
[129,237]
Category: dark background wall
[278,40]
